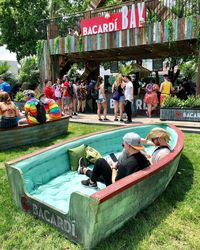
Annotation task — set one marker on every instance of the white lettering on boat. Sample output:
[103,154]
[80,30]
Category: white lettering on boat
[191,115]
[65,225]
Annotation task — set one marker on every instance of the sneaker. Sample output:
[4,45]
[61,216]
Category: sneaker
[89,184]
[121,120]
[115,119]
[81,166]
[105,119]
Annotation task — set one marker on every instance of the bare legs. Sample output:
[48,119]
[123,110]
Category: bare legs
[150,108]
[104,105]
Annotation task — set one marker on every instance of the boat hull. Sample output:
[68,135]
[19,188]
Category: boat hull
[91,218]
[31,134]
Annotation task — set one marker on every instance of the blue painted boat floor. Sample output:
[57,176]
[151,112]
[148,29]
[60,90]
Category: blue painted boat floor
[57,192]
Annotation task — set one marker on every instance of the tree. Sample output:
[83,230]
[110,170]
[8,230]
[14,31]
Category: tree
[29,75]
[19,26]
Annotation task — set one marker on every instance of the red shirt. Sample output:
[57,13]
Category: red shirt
[66,87]
[49,92]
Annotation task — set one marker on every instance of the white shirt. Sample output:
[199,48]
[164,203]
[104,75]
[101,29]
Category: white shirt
[128,93]
[159,154]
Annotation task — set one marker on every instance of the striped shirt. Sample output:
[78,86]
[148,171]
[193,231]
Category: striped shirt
[30,108]
[52,110]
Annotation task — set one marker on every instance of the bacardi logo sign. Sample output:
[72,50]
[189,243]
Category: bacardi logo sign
[126,19]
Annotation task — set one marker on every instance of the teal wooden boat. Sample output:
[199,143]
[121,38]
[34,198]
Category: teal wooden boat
[28,134]
[43,185]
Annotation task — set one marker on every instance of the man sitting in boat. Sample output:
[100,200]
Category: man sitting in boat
[160,137]
[109,174]
[8,112]
[30,108]
[52,109]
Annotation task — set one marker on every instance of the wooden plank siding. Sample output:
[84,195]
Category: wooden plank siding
[158,32]
[153,34]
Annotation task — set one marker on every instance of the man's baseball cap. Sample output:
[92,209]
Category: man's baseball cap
[133,140]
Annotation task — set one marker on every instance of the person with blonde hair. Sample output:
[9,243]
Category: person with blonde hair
[160,138]
[101,101]
[119,102]
[8,112]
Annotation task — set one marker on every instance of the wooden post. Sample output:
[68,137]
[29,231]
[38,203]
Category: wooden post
[198,77]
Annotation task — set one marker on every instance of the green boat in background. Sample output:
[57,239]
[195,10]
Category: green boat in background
[43,184]
[28,134]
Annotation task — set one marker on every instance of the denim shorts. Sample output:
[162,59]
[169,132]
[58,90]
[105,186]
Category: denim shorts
[100,100]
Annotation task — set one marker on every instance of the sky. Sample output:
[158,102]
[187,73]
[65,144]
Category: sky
[6,55]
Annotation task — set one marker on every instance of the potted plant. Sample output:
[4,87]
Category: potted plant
[174,109]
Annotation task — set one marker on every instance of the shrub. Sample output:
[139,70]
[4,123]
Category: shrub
[191,102]
[20,97]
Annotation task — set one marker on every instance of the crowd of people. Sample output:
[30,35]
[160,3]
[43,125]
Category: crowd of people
[66,97]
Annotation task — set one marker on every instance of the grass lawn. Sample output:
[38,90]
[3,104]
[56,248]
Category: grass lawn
[171,222]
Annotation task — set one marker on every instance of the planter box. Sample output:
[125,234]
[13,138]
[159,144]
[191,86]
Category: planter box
[177,114]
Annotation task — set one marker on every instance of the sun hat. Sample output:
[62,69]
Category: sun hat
[158,133]
[133,140]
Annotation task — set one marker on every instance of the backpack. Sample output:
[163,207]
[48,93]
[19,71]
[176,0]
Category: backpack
[71,90]
[149,88]
[94,94]
[41,113]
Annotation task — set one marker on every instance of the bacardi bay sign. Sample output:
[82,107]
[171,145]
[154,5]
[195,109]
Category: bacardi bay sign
[126,19]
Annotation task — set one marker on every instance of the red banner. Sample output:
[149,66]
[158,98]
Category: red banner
[126,19]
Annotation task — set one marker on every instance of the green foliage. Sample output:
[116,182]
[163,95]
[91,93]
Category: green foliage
[73,72]
[56,43]
[170,32]
[112,2]
[19,24]
[191,102]
[20,97]
[80,44]
[29,73]
[39,49]
[188,69]
[4,67]
[125,69]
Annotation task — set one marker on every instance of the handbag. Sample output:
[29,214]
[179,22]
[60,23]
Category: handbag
[116,96]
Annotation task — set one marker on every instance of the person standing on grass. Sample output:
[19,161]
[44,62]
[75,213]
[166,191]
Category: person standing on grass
[119,105]
[128,96]
[101,101]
